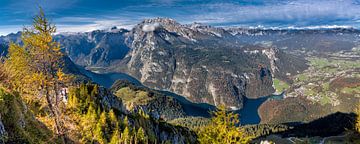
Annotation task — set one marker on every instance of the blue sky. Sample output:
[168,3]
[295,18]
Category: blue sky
[87,15]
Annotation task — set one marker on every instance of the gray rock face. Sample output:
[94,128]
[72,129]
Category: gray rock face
[203,63]
[110,101]
[97,48]
[3,133]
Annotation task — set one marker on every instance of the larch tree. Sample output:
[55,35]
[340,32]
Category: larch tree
[126,136]
[357,122]
[115,138]
[35,68]
[3,74]
[224,128]
[140,136]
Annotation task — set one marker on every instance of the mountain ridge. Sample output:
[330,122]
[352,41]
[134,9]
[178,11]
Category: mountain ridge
[203,63]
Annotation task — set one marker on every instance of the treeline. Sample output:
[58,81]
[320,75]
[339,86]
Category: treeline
[264,129]
[193,123]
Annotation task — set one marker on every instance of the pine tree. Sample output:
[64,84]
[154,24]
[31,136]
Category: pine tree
[223,129]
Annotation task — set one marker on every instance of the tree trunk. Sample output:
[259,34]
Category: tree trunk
[53,111]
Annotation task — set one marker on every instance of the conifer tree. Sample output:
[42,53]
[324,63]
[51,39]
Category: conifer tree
[35,67]
[88,125]
[357,125]
[114,124]
[102,123]
[223,129]
[2,70]
[126,121]
[95,91]
[140,136]
[115,138]
[73,100]
[99,133]
[126,136]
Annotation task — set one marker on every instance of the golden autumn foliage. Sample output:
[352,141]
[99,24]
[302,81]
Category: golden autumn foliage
[357,125]
[99,125]
[222,129]
[34,68]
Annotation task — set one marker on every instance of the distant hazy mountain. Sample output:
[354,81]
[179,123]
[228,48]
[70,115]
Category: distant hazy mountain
[97,48]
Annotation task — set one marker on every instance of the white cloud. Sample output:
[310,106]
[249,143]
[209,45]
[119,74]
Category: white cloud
[7,29]
[272,13]
[63,27]
[150,27]
[300,12]
[96,25]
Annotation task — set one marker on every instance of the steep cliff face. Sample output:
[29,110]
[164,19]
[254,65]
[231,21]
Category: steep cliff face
[3,49]
[5,40]
[202,63]
[94,49]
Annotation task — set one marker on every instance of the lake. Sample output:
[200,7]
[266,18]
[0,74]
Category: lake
[248,115]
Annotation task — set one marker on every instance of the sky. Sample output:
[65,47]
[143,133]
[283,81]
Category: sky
[88,15]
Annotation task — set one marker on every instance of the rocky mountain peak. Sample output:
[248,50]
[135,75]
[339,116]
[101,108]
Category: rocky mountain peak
[171,31]
[163,21]
[203,63]
[151,25]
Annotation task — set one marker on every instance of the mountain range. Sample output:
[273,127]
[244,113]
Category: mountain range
[163,77]
[205,64]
